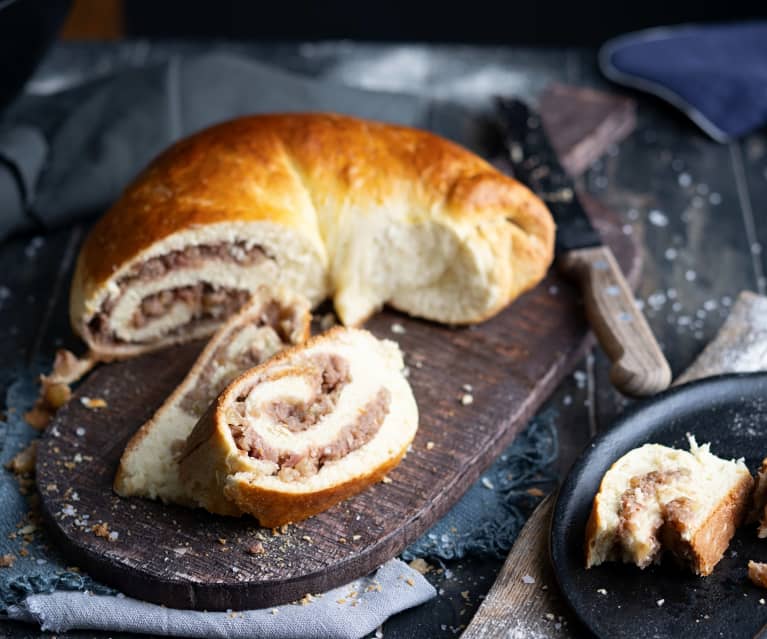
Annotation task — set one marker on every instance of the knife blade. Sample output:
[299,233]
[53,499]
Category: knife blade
[638,364]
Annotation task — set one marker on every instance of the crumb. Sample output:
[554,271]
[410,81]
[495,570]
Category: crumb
[356,537]
[761,601]
[386,480]
[6,561]
[101,530]
[38,418]
[306,599]
[80,432]
[420,565]
[757,573]
[284,529]
[429,445]
[409,581]
[527,579]
[602,591]
[93,403]
[274,611]
[341,601]
[465,595]
[660,602]
[487,483]
[467,399]
[342,540]
[24,552]
[24,461]
[113,535]
[535,492]
[550,616]
[397,329]
[222,541]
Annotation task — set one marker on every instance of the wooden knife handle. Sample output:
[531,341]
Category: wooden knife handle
[639,367]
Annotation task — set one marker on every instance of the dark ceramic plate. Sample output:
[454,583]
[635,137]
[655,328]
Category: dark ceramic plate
[731,413]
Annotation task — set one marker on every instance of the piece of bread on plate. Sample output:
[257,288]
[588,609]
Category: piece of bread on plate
[656,498]
[325,205]
[268,323]
[312,426]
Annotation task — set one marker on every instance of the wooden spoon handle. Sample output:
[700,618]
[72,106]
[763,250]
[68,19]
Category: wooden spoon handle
[639,367]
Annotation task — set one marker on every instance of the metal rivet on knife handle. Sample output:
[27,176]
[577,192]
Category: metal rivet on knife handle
[638,365]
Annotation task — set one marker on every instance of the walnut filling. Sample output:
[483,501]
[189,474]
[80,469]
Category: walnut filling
[331,375]
[642,514]
[206,302]
[223,366]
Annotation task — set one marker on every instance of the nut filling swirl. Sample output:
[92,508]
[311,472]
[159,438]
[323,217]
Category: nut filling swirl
[328,375]
[205,301]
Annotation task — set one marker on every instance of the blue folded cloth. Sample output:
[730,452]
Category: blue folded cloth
[716,74]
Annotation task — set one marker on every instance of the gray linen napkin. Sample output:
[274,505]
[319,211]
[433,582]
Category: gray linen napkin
[350,611]
[67,156]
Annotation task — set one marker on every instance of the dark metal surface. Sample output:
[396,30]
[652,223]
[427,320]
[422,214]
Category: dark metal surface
[616,599]
[535,163]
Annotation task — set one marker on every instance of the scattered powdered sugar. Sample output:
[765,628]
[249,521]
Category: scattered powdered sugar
[657,218]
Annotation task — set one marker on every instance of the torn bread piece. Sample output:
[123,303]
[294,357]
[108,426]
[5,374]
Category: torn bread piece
[267,324]
[657,498]
[757,573]
[759,509]
[307,429]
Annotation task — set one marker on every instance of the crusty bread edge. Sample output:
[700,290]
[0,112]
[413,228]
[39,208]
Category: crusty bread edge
[213,344]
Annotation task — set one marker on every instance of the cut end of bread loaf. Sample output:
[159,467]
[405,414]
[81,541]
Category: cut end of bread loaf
[311,427]
[267,324]
[656,498]
[322,204]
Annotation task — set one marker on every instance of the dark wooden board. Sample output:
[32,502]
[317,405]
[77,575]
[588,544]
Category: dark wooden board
[174,556]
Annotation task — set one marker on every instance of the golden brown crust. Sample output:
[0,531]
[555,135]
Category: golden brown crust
[707,546]
[264,167]
[273,508]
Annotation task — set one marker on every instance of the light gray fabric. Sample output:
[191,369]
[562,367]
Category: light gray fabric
[351,611]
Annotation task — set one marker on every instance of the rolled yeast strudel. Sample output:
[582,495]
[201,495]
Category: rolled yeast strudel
[312,426]
[267,324]
[325,205]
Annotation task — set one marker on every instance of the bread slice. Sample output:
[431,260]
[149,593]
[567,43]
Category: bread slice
[657,498]
[303,431]
[268,323]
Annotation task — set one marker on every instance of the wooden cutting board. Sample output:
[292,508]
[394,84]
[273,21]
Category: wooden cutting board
[190,559]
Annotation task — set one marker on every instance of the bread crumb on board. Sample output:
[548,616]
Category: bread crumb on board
[757,573]
[420,565]
[93,403]
[6,561]
[23,463]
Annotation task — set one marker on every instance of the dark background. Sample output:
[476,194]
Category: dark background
[479,21]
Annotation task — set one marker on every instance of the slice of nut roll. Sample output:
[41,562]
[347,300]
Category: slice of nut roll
[267,324]
[312,426]
[657,498]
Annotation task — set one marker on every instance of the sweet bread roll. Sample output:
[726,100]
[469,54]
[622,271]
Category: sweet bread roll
[312,426]
[267,324]
[326,205]
[657,498]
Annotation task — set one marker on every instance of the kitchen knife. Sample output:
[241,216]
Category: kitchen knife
[638,365]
